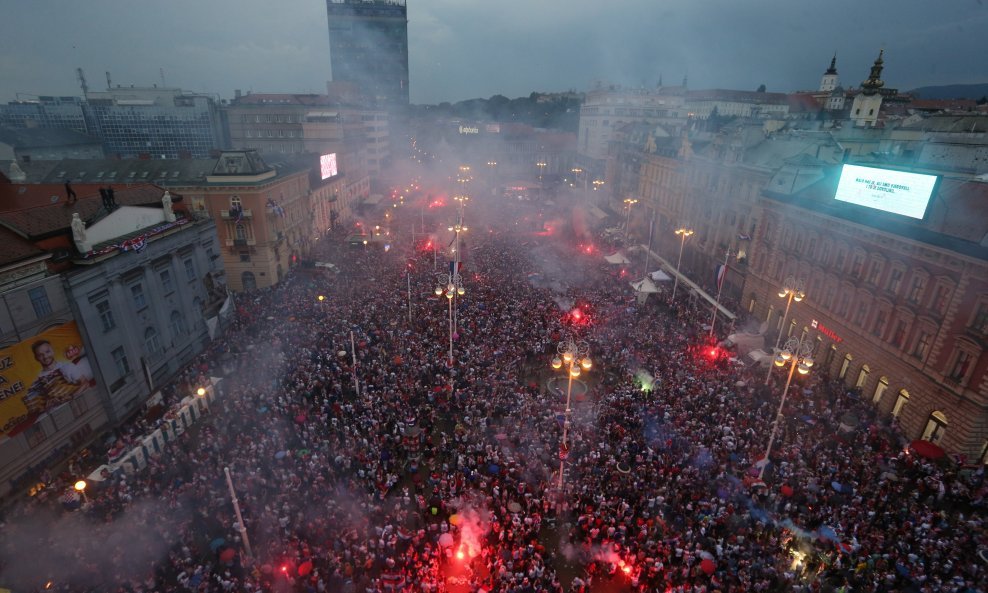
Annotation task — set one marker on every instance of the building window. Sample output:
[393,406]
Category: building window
[900,402]
[878,328]
[151,341]
[940,296]
[936,426]
[844,366]
[857,268]
[166,281]
[895,280]
[862,376]
[35,435]
[861,315]
[105,315]
[240,232]
[120,360]
[883,384]
[979,323]
[245,256]
[916,290]
[176,324]
[190,270]
[922,346]
[137,293]
[962,363]
[39,300]
[899,335]
[874,272]
[235,203]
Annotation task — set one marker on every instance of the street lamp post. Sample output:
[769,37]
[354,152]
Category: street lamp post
[457,229]
[628,203]
[792,290]
[577,171]
[721,274]
[236,509]
[684,232]
[449,286]
[575,356]
[541,164]
[796,353]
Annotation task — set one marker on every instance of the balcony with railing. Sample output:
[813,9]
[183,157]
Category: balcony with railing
[232,214]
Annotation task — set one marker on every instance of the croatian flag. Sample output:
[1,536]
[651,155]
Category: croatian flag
[455,267]
[721,272]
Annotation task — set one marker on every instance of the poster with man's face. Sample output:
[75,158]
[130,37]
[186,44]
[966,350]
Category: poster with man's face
[40,374]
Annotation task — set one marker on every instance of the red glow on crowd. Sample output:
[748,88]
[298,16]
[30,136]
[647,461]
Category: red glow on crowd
[437,203]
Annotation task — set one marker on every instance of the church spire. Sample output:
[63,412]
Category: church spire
[833,65]
[874,82]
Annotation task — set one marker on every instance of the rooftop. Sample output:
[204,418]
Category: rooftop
[44,137]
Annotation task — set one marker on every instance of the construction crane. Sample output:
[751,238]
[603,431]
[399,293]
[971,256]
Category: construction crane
[82,81]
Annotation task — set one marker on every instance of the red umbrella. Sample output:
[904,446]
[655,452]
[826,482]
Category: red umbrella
[786,490]
[305,568]
[926,449]
[227,555]
[707,565]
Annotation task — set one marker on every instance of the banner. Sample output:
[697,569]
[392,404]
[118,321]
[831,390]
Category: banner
[40,374]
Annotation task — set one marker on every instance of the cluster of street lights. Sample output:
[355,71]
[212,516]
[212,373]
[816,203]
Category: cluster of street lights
[575,357]
[450,285]
[792,290]
[684,232]
[628,203]
[797,353]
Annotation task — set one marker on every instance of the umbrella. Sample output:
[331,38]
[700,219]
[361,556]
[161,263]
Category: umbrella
[786,490]
[228,555]
[827,532]
[446,540]
[454,519]
[493,469]
[624,468]
[300,419]
[305,568]
[514,507]
[280,454]
[926,449]
[707,566]
[216,543]
[836,486]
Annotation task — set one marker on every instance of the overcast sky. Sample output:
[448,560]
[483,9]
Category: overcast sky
[462,49]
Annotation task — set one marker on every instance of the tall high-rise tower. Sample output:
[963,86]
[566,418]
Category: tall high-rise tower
[368,46]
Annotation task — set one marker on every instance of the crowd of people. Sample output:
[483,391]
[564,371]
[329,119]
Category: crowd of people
[380,468]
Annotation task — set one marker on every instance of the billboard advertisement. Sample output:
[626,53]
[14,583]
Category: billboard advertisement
[898,192]
[40,374]
[327,165]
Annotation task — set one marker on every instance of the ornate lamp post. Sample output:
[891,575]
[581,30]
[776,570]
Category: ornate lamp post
[796,353]
[450,285]
[792,290]
[628,203]
[684,233]
[575,356]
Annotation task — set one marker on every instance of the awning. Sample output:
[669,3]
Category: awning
[659,276]
[644,286]
[617,258]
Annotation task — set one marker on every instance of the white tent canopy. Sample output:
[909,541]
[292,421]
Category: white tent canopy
[617,258]
[645,286]
[660,276]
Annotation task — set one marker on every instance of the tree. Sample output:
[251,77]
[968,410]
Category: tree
[761,88]
[983,100]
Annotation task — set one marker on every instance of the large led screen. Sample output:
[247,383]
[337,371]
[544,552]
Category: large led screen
[898,192]
[327,165]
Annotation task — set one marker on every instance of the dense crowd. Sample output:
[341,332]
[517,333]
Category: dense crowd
[431,478]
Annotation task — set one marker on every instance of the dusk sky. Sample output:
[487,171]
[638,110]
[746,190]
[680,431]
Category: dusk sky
[462,49]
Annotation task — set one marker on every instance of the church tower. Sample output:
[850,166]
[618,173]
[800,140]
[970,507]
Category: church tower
[868,101]
[830,80]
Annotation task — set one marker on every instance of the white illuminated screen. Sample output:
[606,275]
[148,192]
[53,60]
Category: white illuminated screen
[327,165]
[897,192]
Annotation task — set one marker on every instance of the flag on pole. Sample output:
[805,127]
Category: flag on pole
[455,267]
[721,272]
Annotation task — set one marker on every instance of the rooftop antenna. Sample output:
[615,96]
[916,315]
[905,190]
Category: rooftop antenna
[109,84]
[82,80]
